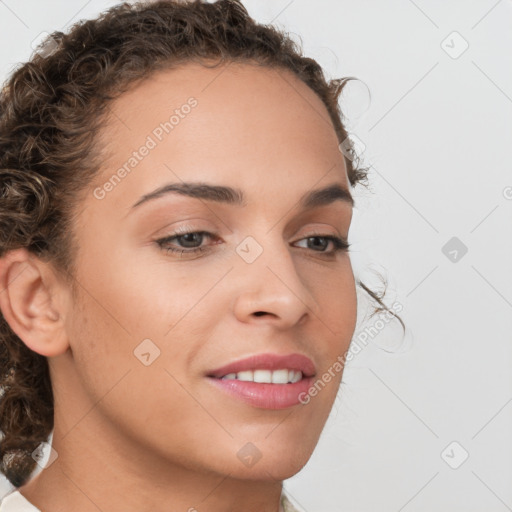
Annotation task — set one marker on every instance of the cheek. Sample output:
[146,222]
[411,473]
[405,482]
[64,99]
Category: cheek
[110,369]
[348,307]
[132,306]
[335,292]
[100,345]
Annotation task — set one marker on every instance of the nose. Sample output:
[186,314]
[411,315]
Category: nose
[270,290]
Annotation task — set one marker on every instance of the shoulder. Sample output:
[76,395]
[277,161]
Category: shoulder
[285,502]
[16,502]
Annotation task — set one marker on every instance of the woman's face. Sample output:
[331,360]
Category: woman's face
[149,325]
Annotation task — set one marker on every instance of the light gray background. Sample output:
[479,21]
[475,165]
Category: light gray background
[437,133]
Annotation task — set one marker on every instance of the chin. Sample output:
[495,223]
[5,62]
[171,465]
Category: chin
[275,465]
[271,471]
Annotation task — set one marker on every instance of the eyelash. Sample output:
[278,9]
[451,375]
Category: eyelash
[340,245]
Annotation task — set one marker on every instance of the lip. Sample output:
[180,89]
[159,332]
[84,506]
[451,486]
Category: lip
[268,361]
[264,395]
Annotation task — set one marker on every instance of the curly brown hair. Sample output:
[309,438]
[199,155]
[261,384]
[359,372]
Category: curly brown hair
[50,111]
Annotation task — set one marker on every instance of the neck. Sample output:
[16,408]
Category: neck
[83,480]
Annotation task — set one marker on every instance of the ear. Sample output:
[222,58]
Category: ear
[32,301]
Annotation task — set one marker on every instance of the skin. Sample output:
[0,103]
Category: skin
[131,437]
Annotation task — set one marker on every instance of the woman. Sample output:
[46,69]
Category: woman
[178,294]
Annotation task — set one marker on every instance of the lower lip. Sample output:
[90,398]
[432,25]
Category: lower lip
[263,395]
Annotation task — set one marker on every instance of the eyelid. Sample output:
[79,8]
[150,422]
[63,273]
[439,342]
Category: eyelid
[339,242]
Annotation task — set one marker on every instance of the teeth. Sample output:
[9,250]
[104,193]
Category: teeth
[246,375]
[266,376]
[281,376]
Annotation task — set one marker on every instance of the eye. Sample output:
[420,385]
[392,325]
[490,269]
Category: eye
[339,243]
[190,242]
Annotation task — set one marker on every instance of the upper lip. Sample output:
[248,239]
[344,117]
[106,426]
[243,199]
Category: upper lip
[268,361]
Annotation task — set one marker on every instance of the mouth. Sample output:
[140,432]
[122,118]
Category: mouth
[267,381]
[262,367]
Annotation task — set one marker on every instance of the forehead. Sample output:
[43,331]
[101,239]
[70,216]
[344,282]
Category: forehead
[236,122]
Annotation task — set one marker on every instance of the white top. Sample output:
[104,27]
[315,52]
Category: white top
[16,502]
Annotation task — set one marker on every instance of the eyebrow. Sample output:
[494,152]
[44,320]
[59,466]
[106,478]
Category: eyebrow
[236,197]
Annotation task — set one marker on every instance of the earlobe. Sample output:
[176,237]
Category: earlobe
[29,303]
